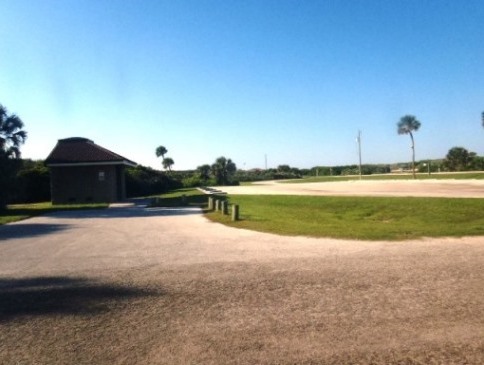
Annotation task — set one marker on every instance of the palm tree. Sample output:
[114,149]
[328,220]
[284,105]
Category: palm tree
[204,171]
[161,151]
[482,118]
[407,125]
[222,169]
[11,137]
[168,163]
[11,134]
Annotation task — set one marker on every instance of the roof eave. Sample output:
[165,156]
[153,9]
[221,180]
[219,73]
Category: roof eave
[100,163]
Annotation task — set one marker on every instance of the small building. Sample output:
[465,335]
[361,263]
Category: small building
[83,172]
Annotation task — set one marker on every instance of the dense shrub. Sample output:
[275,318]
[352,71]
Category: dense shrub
[192,181]
[33,183]
[143,181]
[8,170]
[29,182]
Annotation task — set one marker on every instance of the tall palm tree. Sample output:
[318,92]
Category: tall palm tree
[161,151]
[407,125]
[11,134]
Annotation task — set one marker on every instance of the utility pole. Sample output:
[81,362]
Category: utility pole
[358,139]
[265,158]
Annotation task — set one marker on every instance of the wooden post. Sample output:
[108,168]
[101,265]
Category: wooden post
[235,212]
[217,205]
[225,208]
[210,203]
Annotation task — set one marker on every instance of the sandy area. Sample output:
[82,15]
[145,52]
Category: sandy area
[430,188]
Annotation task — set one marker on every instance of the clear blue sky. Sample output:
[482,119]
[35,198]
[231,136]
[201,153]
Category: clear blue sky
[294,80]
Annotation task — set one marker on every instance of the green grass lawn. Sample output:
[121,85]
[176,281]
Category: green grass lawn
[365,218]
[18,212]
[420,176]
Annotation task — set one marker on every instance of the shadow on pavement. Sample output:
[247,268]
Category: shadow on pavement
[25,230]
[136,211]
[44,296]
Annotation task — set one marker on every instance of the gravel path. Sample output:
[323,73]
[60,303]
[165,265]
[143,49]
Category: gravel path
[104,240]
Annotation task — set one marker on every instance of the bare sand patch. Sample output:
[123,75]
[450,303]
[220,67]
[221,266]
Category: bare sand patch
[418,188]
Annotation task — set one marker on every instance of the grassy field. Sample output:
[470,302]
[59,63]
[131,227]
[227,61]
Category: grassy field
[19,212]
[363,218]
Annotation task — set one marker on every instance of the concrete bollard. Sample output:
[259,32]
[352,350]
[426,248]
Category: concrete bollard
[210,203]
[217,205]
[235,212]
[225,207]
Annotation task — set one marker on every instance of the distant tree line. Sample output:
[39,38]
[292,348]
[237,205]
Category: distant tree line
[282,172]
[460,159]
[344,170]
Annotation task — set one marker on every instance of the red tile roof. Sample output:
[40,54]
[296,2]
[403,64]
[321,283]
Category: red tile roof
[82,150]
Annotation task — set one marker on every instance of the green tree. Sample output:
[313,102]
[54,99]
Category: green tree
[32,183]
[223,169]
[284,168]
[458,159]
[161,151]
[12,136]
[477,163]
[407,125]
[204,172]
[143,181]
[168,163]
